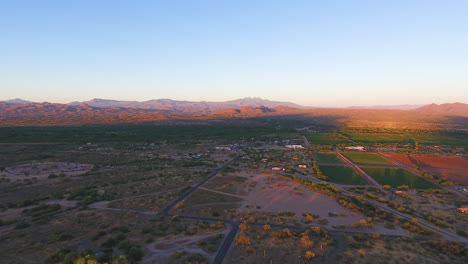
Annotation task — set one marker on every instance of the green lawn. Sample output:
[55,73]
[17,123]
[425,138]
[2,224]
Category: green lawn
[343,175]
[328,158]
[366,158]
[397,177]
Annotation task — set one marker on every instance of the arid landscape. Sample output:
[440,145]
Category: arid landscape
[232,192]
[233,132]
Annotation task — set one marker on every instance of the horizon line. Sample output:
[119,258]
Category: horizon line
[243,98]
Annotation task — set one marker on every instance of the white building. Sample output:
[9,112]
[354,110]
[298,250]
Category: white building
[223,147]
[295,146]
[356,148]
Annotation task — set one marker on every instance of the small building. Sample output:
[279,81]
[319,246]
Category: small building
[294,146]
[295,158]
[223,148]
[463,210]
[277,169]
[355,148]
[264,160]
[302,166]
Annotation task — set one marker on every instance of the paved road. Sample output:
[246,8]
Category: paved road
[368,178]
[421,222]
[228,240]
[167,208]
[340,247]
[226,244]
[435,229]
[230,237]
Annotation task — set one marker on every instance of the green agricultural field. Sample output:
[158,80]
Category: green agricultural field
[343,175]
[409,138]
[328,158]
[326,138]
[366,158]
[397,177]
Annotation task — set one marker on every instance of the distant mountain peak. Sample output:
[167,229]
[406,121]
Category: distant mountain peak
[17,101]
[450,108]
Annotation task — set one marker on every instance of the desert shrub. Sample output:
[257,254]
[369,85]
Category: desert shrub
[22,225]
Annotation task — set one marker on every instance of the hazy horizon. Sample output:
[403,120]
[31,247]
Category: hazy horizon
[233,99]
[321,53]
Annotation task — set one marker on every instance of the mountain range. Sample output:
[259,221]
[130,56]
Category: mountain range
[173,106]
[18,112]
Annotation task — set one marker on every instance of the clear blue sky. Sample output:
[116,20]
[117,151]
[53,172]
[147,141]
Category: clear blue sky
[319,53]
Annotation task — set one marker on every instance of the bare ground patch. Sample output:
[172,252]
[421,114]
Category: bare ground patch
[272,194]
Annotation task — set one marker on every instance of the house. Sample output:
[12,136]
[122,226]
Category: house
[277,169]
[463,210]
[302,166]
[355,148]
[294,146]
[223,148]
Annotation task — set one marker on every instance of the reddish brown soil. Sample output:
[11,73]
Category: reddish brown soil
[433,162]
[450,168]
[456,175]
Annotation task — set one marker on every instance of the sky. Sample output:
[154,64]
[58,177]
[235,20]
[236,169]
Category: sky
[315,53]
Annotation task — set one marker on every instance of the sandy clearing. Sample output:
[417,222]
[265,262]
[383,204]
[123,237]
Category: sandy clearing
[281,195]
[44,169]
[165,248]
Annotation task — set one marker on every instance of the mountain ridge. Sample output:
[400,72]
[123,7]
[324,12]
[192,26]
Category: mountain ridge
[446,116]
[169,105]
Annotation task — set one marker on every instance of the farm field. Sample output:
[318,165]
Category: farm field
[342,175]
[109,184]
[326,138]
[366,158]
[433,162]
[397,177]
[450,168]
[405,138]
[328,158]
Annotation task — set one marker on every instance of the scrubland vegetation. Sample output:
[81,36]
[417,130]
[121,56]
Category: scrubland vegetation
[113,210]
